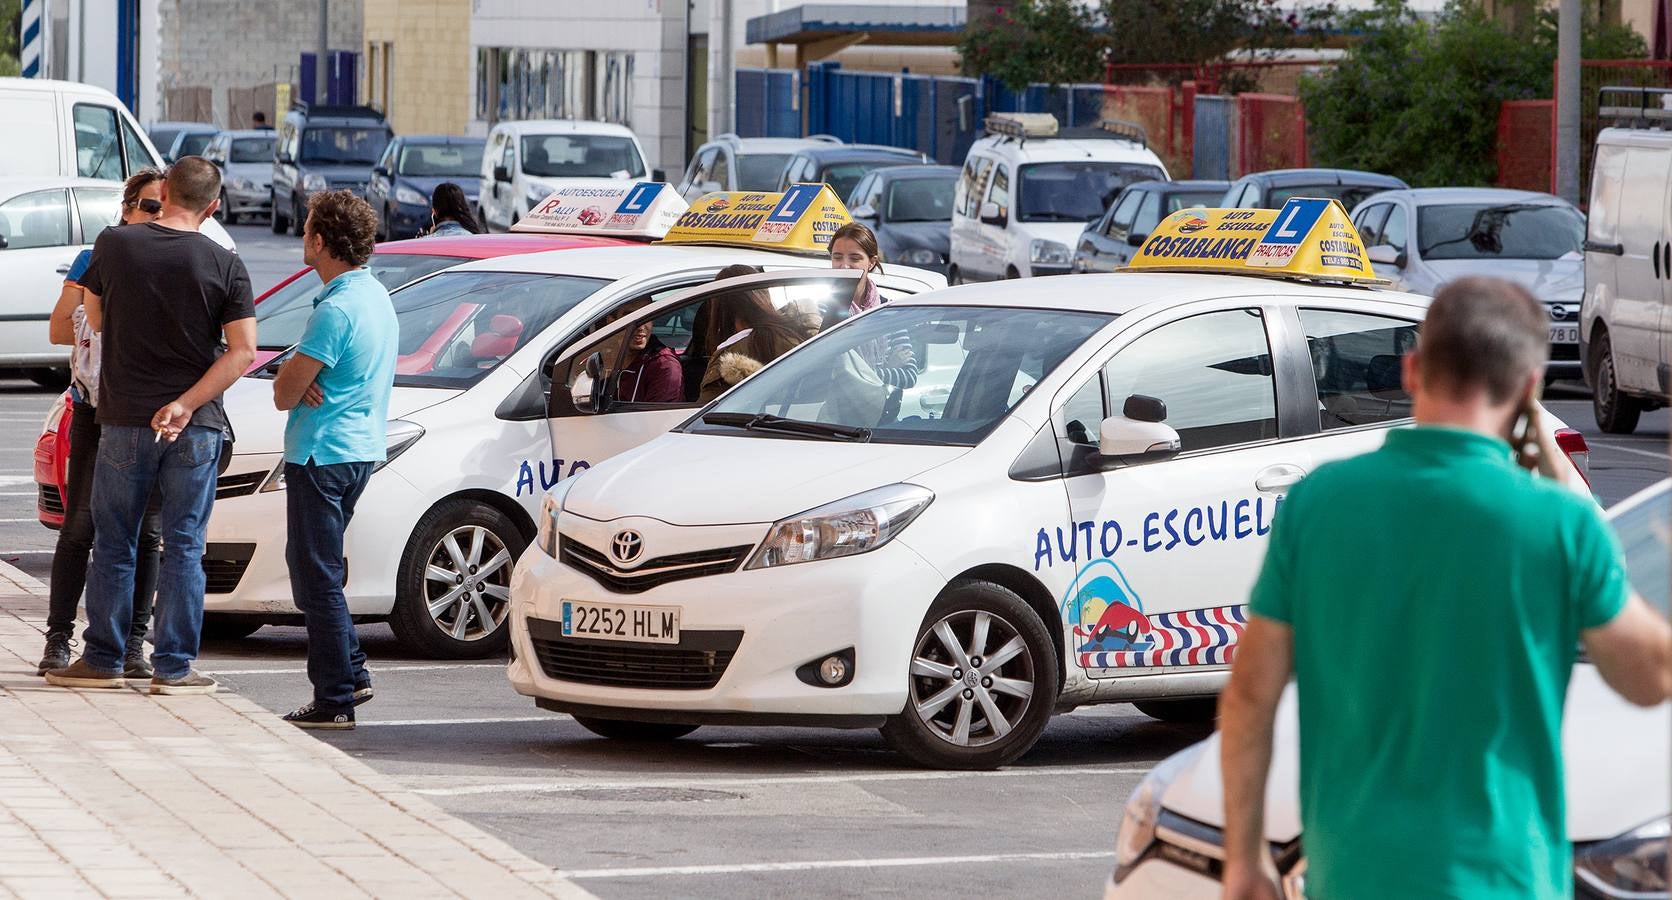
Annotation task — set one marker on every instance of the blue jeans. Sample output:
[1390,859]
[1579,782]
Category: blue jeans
[131,463]
[319,501]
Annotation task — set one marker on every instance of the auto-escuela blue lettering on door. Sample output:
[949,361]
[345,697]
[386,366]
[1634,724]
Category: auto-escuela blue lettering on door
[529,471]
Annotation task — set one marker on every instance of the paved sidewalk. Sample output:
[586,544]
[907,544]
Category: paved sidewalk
[116,793]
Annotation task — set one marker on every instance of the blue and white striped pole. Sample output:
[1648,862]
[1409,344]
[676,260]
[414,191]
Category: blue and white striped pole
[32,45]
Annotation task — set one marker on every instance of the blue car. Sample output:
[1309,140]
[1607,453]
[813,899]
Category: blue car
[411,168]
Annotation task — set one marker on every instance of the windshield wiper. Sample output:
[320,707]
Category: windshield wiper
[769,422]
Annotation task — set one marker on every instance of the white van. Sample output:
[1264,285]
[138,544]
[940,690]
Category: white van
[65,129]
[1029,188]
[525,161]
[1624,342]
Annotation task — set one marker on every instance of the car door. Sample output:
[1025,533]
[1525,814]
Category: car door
[1638,277]
[1146,220]
[1164,552]
[1103,241]
[591,422]
[1369,222]
[382,183]
[998,256]
[966,225]
[507,199]
[1395,234]
[37,228]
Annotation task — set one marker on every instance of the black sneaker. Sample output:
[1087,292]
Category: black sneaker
[82,674]
[193,682]
[57,652]
[362,693]
[134,666]
[311,716]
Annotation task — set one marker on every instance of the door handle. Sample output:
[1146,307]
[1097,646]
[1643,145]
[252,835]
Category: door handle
[1656,254]
[1278,477]
[63,269]
[1601,247]
[1666,258]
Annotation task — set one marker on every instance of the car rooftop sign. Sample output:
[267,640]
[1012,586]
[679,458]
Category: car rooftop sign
[1308,238]
[799,220]
[607,208]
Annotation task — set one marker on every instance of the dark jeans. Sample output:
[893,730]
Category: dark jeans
[75,537]
[131,465]
[319,501]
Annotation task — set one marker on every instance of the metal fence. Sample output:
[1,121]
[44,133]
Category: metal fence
[768,102]
[1271,133]
[1215,121]
[1526,145]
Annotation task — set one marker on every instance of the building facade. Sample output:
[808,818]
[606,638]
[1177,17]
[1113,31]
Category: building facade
[416,64]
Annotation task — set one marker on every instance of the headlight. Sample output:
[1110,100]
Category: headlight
[410,197]
[1137,824]
[922,256]
[551,506]
[536,193]
[1048,252]
[401,434]
[1631,865]
[314,182]
[857,524]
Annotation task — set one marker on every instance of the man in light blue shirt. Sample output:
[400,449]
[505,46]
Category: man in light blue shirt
[336,386]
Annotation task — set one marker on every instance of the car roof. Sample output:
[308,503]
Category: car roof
[830,153]
[564,126]
[901,173]
[1068,149]
[744,146]
[1169,187]
[1285,177]
[440,139]
[12,185]
[1125,292]
[1444,195]
[251,132]
[490,246]
[184,126]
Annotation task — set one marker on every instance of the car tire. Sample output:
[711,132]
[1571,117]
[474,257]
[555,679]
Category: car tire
[1011,273]
[620,730]
[1616,411]
[938,727]
[220,211]
[229,626]
[298,217]
[485,544]
[953,277]
[1191,710]
[280,224]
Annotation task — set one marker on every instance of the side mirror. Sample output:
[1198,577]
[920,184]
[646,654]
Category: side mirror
[285,159]
[590,392]
[1136,240]
[991,214]
[4,243]
[864,211]
[1386,255]
[380,171]
[502,174]
[1126,440]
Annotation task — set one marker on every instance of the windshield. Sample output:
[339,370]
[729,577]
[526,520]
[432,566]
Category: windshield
[441,160]
[760,171]
[352,146]
[1076,191]
[1350,195]
[252,150]
[1191,200]
[920,200]
[193,144]
[1643,532]
[580,156]
[843,177]
[974,364]
[1513,231]
[281,316]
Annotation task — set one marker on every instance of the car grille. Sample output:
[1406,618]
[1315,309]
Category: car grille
[694,664]
[224,565]
[238,485]
[651,573]
[1564,352]
[50,501]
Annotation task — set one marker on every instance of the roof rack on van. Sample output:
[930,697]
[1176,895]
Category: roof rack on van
[336,112]
[1021,126]
[825,138]
[1646,105]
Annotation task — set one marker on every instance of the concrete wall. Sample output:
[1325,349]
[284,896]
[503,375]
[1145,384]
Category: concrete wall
[429,85]
[237,45]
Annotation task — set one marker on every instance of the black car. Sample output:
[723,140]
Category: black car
[842,165]
[1110,242]
[910,209]
[410,170]
[323,148]
[1270,190]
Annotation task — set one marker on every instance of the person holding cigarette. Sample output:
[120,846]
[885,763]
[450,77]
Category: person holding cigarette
[163,298]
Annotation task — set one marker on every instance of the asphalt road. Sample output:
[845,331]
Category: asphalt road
[731,812]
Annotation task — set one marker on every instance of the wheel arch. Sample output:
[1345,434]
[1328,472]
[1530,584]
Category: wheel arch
[1036,596]
[506,505]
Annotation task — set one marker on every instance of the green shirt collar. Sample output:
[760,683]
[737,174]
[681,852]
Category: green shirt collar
[1451,443]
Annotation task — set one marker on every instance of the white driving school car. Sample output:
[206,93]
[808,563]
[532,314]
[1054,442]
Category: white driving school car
[433,537]
[1067,506]
[1171,840]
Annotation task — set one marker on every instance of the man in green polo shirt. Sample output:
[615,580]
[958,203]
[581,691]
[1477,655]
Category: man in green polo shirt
[1429,599]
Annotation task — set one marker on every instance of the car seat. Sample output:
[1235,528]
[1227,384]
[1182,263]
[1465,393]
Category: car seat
[499,340]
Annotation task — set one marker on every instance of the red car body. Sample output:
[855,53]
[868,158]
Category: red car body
[52,448]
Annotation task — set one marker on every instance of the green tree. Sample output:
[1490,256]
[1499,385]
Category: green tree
[11,22]
[1053,41]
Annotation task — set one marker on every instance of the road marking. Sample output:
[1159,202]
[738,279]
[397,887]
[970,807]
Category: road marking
[550,717]
[26,552]
[19,493]
[1660,456]
[25,519]
[547,787]
[375,670]
[811,865]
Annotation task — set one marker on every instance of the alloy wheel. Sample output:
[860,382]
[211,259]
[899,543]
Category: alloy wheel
[972,678]
[467,583]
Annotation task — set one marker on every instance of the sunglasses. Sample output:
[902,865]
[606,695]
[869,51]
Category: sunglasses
[150,206]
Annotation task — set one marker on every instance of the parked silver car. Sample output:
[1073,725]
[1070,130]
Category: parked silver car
[246,161]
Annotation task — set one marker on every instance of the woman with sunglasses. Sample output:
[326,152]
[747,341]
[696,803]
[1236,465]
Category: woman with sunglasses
[141,202]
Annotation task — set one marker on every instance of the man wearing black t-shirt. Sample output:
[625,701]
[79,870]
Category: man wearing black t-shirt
[164,298]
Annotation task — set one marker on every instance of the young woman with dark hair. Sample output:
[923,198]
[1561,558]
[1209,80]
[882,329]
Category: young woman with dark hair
[450,212]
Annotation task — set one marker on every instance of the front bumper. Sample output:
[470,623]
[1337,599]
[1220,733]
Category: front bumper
[258,199]
[1037,269]
[405,221]
[777,619]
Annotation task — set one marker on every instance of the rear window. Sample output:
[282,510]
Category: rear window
[1350,195]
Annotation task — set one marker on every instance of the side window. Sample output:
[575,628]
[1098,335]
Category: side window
[38,219]
[974,184]
[1081,418]
[1214,373]
[1149,214]
[97,154]
[97,208]
[1126,210]
[1250,198]
[388,160]
[1356,363]
[1000,192]
[508,158]
[1394,233]
[721,173]
[703,169]
[133,149]
[1370,224]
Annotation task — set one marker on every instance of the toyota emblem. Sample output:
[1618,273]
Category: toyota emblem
[627,546]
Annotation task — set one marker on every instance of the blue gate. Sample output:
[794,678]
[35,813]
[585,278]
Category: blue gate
[768,103]
[1215,125]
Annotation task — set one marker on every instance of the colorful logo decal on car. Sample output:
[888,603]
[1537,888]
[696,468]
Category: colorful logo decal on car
[1112,631]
